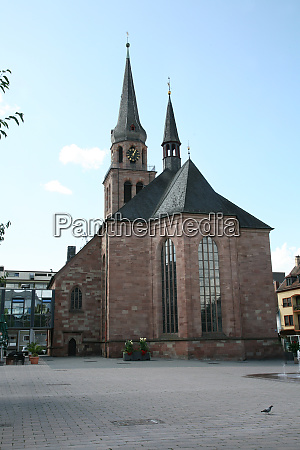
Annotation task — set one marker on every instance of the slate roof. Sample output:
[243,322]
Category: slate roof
[143,204]
[128,113]
[170,133]
[185,191]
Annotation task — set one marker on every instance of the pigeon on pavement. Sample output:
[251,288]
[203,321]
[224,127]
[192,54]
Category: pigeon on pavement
[267,410]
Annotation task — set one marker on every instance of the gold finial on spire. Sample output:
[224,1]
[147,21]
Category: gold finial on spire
[169,84]
[188,149]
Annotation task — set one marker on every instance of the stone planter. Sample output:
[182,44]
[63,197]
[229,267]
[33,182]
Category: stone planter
[136,356]
[127,357]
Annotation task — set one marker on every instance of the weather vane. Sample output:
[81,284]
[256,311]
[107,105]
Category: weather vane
[188,149]
[127,36]
[169,84]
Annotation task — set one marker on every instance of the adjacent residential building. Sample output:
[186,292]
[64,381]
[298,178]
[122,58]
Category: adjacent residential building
[288,295]
[174,262]
[25,279]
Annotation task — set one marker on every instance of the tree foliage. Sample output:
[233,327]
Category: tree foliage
[2,230]
[17,117]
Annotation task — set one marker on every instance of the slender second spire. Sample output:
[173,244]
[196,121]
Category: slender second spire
[128,127]
[171,143]
[170,134]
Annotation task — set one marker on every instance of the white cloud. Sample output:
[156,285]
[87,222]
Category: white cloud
[283,258]
[5,109]
[56,186]
[89,158]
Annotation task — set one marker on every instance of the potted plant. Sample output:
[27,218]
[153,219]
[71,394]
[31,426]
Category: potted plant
[128,350]
[144,349]
[294,347]
[35,349]
[143,346]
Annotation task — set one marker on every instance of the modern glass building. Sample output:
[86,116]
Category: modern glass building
[29,314]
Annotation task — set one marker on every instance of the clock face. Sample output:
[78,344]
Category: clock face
[133,154]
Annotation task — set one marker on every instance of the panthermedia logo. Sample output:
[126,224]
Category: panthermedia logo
[212,224]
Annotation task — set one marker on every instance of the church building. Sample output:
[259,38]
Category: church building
[174,262]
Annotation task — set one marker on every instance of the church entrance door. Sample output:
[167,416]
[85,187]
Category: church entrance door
[72,347]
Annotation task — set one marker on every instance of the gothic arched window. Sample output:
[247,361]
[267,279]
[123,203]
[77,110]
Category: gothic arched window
[210,294]
[169,288]
[76,298]
[139,187]
[127,191]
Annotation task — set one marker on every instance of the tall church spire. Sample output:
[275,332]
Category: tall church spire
[171,143]
[128,127]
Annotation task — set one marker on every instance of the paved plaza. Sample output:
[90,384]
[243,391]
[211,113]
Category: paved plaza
[97,403]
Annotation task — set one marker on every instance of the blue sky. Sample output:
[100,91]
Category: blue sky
[234,69]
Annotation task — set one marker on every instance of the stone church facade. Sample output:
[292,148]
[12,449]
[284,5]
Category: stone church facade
[174,261]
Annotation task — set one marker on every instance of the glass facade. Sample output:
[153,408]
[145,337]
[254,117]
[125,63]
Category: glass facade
[210,293]
[27,308]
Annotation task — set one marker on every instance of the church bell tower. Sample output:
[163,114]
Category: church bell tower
[128,172]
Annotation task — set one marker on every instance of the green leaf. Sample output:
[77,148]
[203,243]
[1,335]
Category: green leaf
[20,115]
[14,118]
[5,124]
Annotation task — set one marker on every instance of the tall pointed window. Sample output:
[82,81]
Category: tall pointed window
[76,298]
[127,191]
[169,288]
[210,294]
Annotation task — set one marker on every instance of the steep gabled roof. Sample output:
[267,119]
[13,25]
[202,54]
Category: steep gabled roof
[189,192]
[185,191]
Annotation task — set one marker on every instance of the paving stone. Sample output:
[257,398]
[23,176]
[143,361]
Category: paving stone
[162,404]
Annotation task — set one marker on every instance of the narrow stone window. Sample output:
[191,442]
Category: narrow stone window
[210,293]
[169,288]
[109,197]
[127,191]
[120,150]
[76,298]
[139,187]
